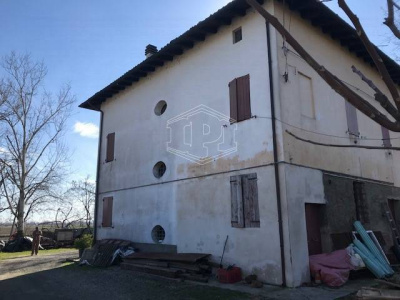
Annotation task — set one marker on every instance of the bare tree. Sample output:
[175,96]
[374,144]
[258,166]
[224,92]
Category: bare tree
[390,21]
[83,192]
[66,215]
[391,106]
[34,158]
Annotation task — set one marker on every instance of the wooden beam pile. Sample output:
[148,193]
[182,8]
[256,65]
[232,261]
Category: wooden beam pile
[189,266]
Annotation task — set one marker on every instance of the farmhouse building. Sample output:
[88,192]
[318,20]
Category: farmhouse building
[198,142]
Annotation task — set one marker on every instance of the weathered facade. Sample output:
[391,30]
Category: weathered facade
[197,205]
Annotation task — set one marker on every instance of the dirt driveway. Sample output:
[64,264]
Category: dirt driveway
[14,267]
[49,278]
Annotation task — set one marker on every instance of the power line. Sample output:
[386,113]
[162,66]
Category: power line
[321,133]
[342,146]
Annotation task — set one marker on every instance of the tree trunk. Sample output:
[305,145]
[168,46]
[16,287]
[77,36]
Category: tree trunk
[21,215]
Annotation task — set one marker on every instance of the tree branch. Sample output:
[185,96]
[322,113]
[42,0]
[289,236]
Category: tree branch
[389,21]
[372,52]
[379,95]
[335,83]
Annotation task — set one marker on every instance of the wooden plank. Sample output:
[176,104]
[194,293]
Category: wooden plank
[147,262]
[165,272]
[372,293]
[180,257]
[397,286]
[233,101]
[253,200]
[194,278]
[237,216]
[243,98]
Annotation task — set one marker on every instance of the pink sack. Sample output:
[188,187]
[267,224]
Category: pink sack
[334,267]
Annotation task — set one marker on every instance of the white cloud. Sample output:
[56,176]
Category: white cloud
[89,130]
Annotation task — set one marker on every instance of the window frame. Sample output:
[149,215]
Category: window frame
[107,217]
[234,36]
[110,147]
[240,99]
[245,208]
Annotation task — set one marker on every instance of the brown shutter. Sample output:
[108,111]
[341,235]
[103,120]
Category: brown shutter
[351,114]
[233,100]
[386,137]
[236,202]
[110,147]
[107,211]
[250,199]
[243,98]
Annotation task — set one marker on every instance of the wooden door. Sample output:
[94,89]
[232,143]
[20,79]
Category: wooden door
[313,224]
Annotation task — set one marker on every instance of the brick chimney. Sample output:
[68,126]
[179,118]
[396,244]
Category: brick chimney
[150,50]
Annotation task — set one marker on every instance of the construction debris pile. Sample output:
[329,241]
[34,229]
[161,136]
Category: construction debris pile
[106,252]
[190,266]
[371,253]
[334,268]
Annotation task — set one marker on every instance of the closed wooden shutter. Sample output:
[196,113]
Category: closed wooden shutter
[233,101]
[352,123]
[243,98]
[250,196]
[110,147]
[386,137]
[239,95]
[237,217]
[107,211]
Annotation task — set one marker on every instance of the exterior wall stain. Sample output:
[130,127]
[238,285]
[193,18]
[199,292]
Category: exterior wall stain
[225,164]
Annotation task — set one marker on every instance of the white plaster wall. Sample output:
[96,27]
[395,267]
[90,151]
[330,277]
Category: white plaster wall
[203,222]
[330,108]
[190,201]
[303,185]
[199,76]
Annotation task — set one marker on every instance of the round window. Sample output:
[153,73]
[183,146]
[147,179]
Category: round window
[159,169]
[160,108]
[158,234]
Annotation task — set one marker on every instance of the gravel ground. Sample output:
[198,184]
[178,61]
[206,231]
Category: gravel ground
[48,277]
[74,282]
[10,268]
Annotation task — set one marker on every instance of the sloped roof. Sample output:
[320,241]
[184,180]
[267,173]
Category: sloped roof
[311,10]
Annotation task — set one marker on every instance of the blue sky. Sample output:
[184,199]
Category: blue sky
[89,43]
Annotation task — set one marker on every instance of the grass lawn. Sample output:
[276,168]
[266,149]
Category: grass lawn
[8,255]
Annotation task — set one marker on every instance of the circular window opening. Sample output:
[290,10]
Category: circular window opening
[160,108]
[159,169]
[158,234]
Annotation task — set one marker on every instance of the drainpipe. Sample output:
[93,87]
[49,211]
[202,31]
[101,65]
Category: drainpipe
[96,205]
[276,161]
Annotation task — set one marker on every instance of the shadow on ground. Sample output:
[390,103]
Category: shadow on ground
[74,282]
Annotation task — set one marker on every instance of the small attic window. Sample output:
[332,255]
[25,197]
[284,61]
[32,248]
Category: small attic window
[237,35]
[159,169]
[160,108]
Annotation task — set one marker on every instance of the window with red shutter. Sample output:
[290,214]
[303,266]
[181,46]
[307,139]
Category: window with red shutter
[107,211]
[110,147]
[239,94]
